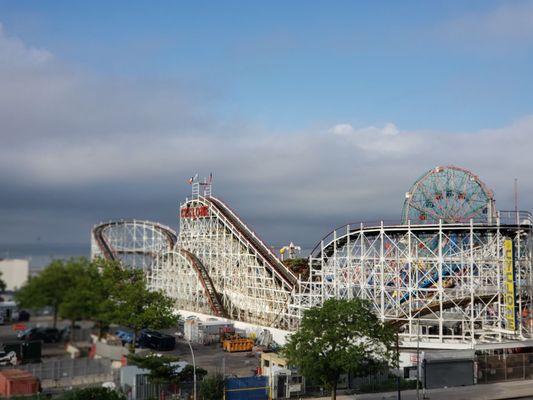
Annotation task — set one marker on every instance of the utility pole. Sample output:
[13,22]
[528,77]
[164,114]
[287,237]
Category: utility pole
[418,356]
[193,371]
[398,379]
[516,201]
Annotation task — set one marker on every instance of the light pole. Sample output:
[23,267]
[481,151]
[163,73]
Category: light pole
[398,379]
[193,371]
[418,356]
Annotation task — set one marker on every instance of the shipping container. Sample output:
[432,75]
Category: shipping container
[17,382]
[247,388]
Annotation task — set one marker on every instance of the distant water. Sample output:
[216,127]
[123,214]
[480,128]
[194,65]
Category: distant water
[40,254]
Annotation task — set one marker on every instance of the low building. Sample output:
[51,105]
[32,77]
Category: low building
[15,272]
[284,382]
[272,363]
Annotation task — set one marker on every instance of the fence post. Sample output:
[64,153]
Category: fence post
[486,369]
[523,366]
[505,366]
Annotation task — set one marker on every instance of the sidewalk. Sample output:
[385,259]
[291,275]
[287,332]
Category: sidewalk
[493,391]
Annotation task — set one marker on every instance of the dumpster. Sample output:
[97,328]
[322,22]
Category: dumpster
[17,382]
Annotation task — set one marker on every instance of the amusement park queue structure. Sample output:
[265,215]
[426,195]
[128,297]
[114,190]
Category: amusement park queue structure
[450,282]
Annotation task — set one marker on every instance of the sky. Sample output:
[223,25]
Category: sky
[310,115]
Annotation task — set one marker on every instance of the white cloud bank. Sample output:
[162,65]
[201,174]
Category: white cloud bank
[66,130]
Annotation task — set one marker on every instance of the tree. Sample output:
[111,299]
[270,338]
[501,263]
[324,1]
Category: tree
[95,291]
[86,297]
[95,393]
[160,366]
[212,387]
[341,336]
[187,373]
[299,266]
[100,290]
[50,287]
[133,304]
[162,369]
[3,285]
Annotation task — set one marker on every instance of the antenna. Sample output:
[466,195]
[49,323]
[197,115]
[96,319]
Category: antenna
[197,184]
[516,200]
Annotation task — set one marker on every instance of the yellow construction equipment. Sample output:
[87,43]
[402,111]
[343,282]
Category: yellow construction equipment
[234,345]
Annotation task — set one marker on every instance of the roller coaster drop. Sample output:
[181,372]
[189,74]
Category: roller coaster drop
[454,273]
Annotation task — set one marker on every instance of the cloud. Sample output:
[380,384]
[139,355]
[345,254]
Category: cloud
[508,25]
[348,130]
[78,148]
[15,54]
[371,139]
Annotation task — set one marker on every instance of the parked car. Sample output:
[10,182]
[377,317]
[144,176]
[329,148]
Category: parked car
[126,337]
[156,340]
[47,335]
[24,316]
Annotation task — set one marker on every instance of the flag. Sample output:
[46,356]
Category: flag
[192,179]
[210,178]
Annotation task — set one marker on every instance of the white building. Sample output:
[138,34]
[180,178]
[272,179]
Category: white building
[15,272]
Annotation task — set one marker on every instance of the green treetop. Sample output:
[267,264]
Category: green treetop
[50,287]
[134,305]
[3,285]
[341,336]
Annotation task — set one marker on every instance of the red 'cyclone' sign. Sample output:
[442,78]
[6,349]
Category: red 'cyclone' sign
[194,212]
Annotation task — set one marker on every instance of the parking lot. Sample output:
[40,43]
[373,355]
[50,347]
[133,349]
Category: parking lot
[49,350]
[209,357]
[213,359]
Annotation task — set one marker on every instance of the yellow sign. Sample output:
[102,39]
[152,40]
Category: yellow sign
[510,295]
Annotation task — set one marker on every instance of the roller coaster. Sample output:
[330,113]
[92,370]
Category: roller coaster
[135,243]
[455,271]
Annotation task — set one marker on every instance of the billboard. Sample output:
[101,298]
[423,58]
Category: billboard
[510,290]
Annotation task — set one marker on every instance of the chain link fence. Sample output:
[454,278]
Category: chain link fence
[66,372]
[503,367]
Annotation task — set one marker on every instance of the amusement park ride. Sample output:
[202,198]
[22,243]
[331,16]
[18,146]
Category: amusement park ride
[455,273]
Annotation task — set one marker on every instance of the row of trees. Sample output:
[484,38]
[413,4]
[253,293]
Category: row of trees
[100,290]
[107,293]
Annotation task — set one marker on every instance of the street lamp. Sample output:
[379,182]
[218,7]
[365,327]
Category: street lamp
[418,356]
[193,371]
[398,379]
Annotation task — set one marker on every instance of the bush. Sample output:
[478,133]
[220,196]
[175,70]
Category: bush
[212,387]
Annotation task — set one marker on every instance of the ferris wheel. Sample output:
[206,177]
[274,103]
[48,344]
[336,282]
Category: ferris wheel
[450,194]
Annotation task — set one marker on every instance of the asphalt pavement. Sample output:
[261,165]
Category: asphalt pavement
[211,357]
[495,391]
